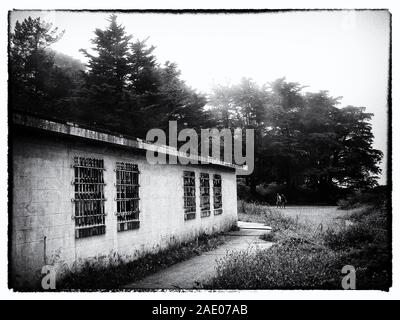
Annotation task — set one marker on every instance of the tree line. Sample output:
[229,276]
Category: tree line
[304,142]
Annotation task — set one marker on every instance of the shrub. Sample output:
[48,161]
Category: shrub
[365,245]
[352,236]
[376,197]
[372,263]
[369,225]
[270,236]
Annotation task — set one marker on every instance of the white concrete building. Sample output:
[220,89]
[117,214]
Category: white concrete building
[78,194]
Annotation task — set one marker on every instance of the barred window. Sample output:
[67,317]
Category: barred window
[189,194]
[89,197]
[127,196]
[205,195]
[217,193]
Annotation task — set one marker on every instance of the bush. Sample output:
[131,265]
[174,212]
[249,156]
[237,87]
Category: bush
[376,197]
[270,236]
[243,191]
[369,225]
[353,236]
[365,245]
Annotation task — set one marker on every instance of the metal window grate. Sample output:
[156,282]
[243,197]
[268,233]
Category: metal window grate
[89,197]
[217,193]
[205,195]
[127,196]
[189,190]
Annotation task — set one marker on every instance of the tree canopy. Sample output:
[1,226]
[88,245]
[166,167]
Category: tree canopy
[303,140]
[31,64]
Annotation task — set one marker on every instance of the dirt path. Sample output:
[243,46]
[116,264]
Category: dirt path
[190,274]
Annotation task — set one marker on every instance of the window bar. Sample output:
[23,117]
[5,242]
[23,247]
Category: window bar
[205,195]
[189,189]
[127,185]
[89,197]
[217,193]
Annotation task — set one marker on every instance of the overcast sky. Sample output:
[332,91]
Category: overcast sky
[344,52]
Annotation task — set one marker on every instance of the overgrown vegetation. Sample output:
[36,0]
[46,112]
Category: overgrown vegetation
[308,257]
[94,275]
[254,212]
[377,195]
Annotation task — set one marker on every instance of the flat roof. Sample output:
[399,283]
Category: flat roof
[75,130]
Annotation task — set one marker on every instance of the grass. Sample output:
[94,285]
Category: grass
[311,250]
[308,215]
[94,275]
[282,268]
[253,212]
[283,226]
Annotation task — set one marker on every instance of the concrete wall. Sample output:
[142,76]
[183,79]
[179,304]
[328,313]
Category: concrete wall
[43,231]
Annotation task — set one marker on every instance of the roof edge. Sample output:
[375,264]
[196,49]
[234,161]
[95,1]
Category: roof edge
[72,129]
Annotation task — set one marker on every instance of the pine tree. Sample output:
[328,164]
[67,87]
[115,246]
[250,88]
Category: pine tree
[106,79]
[110,63]
[31,63]
[126,90]
[144,76]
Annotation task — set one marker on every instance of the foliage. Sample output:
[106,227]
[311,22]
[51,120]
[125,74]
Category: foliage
[122,88]
[303,141]
[369,226]
[365,245]
[305,259]
[269,236]
[297,267]
[127,91]
[377,196]
[305,144]
[109,64]
[31,64]
[254,212]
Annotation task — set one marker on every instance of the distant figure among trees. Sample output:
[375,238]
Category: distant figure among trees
[278,200]
[283,201]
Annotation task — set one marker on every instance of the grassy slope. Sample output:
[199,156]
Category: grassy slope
[310,251]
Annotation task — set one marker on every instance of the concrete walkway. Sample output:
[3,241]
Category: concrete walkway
[190,274]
